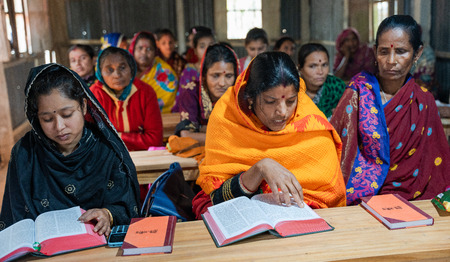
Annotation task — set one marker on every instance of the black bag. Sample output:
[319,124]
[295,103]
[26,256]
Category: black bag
[170,195]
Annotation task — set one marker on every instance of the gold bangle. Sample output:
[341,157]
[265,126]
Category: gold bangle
[111,219]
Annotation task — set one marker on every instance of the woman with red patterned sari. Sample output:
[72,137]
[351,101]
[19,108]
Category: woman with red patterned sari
[393,140]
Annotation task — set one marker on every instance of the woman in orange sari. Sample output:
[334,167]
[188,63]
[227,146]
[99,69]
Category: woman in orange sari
[264,133]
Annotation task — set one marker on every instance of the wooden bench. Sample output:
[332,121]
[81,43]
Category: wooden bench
[170,121]
[151,164]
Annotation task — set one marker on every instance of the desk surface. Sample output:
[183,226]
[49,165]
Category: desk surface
[169,121]
[357,236]
[151,164]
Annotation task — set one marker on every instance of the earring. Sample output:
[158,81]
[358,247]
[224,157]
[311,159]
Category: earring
[376,63]
[250,107]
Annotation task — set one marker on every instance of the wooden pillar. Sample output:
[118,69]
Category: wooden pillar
[220,21]
[271,18]
[305,18]
[6,130]
[58,29]
[180,26]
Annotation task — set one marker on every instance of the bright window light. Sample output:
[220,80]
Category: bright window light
[242,16]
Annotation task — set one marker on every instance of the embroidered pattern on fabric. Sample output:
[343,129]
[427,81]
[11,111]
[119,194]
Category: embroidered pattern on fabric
[367,174]
[44,202]
[70,189]
[184,115]
[110,184]
[189,85]
[164,77]
[206,102]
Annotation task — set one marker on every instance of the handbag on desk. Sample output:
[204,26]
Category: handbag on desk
[170,195]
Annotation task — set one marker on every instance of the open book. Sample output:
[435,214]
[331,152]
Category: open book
[52,233]
[240,218]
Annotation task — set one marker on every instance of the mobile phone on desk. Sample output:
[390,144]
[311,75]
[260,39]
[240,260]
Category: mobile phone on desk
[117,235]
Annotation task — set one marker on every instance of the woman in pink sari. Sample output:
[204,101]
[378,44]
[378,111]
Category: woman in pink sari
[393,140]
[352,56]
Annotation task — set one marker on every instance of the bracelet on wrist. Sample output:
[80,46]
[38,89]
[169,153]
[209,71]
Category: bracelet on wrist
[111,219]
[244,188]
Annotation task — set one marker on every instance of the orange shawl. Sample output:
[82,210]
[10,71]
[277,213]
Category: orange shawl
[308,146]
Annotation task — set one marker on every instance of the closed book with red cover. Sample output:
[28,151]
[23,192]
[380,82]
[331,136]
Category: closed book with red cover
[149,235]
[396,212]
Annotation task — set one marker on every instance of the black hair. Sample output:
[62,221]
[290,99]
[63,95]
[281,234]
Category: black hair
[86,48]
[116,50]
[201,32]
[50,79]
[146,35]
[307,49]
[216,53]
[268,70]
[162,32]
[407,24]
[256,34]
[280,42]
[227,44]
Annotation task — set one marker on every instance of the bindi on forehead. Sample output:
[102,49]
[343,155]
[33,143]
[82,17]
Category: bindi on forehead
[392,45]
[282,96]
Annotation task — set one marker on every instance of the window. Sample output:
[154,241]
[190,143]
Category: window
[242,16]
[17,26]
[380,10]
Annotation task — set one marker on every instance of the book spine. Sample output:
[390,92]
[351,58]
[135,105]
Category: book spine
[170,230]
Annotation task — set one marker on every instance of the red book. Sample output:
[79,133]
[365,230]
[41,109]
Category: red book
[395,212]
[241,217]
[53,232]
[149,235]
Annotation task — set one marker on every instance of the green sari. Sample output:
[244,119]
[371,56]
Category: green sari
[329,95]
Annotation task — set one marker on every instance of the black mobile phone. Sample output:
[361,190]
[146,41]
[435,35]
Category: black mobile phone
[117,235]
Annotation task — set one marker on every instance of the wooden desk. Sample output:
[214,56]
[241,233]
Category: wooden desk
[151,164]
[446,125]
[357,236]
[170,121]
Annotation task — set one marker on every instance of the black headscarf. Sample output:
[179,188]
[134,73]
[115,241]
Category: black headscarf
[99,173]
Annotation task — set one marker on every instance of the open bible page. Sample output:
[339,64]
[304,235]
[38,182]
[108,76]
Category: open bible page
[21,234]
[277,213]
[59,223]
[237,215]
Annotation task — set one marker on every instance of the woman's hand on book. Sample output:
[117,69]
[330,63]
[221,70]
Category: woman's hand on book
[102,219]
[278,178]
